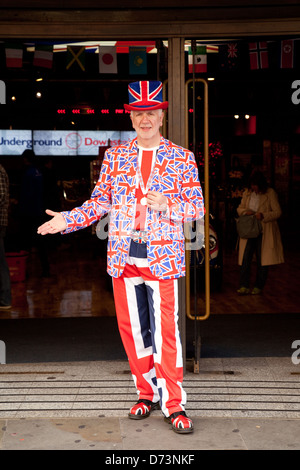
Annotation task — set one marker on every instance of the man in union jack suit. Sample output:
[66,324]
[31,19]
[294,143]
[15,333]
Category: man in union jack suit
[150,187]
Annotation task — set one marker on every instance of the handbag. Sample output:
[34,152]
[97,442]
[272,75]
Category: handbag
[248,226]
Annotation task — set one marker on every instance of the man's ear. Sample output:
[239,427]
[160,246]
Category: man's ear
[131,117]
[162,118]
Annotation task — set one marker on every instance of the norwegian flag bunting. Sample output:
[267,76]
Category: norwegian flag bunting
[258,54]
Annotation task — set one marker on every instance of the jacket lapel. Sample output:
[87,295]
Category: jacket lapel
[129,169]
[161,164]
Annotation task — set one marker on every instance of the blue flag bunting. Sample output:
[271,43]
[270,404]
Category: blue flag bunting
[137,61]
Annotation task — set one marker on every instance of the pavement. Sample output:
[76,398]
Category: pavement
[246,403]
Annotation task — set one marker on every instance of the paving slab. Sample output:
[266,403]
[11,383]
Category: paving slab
[116,435]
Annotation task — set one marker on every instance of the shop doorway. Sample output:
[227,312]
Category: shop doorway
[252,120]
[253,125]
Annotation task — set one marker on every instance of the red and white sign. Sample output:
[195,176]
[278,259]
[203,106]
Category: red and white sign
[48,143]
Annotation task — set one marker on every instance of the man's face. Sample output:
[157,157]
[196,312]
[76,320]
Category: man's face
[147,124]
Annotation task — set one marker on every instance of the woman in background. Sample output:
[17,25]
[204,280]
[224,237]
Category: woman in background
[261,201]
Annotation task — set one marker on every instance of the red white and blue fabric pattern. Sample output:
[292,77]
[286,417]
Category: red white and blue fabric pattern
[175,175]
[140,410]
[181,423]
[145,95]
[147,314]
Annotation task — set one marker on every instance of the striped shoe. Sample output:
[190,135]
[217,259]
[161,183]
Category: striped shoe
[180,422]
[142,409]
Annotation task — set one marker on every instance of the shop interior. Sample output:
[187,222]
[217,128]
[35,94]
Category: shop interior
[72,111]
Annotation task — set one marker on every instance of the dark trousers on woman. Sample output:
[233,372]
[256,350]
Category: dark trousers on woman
[5,292]
[253,246]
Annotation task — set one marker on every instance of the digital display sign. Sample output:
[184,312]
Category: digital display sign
[53,142]
[71,111]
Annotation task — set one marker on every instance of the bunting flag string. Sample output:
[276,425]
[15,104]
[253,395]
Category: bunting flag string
[287,54]
[108,59]
[14,55]
[200,59]
[76,57]
[231,56]
[137,61]
[258,55]
[43,56]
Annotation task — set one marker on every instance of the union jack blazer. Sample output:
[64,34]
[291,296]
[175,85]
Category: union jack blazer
[175,175]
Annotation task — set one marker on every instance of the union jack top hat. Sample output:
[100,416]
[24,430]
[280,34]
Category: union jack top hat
[145,96]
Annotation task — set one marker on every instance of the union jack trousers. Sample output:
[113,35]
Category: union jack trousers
[147,313]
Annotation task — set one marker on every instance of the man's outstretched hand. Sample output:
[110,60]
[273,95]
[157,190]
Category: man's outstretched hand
[54,225]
